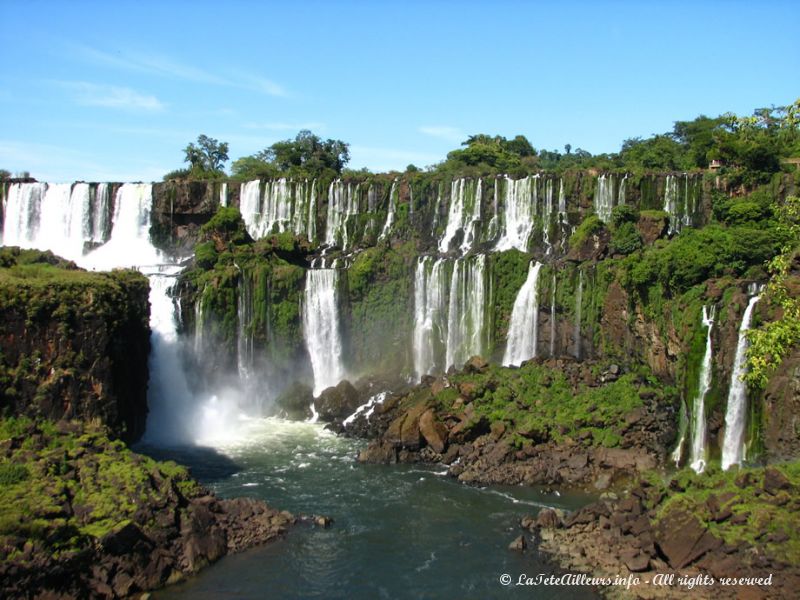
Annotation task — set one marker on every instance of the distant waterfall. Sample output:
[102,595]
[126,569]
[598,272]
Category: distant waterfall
[101,226]
[321,327]
[698,456]
[523,331]
[244,329]
[430,314]
[671,204]
[223,194]
[578,309]
[279,204]
[521,198]
[553,316]
[562,203]
[387,226]
[470,295]
[622,192]
[463,215]
[343,200]
[733,444]
[604,197]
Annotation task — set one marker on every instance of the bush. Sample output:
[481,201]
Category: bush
[623,213]
[625,239]
[588,227]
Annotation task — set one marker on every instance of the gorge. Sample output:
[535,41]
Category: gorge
[333,300]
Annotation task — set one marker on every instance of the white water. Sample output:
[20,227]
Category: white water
[562,203]
[367,408]
[547,213]
[604,197]
[698,456]
[343,199]
[520,208]
[671,204]
[523,332]
[733,444]
[278,205]
[553,316]
[387,226]
[463,215]
[223,194]
[470,295]
[430,314]
[321,327]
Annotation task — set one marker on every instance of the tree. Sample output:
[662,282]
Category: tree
[307,155]
[5,174]
[207,157]
[567,148]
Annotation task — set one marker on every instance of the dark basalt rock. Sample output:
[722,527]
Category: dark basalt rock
[337,402]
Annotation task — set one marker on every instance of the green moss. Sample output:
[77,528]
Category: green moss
[588,227]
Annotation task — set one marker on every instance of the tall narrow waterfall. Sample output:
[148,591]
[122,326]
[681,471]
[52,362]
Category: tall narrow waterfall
[562,203]
[387,226]
[698,456]
[321,327]
[578,309]
[523,332]
[463,215]
[733,444]
[223,194]
[244,329]
[671,204]
[520,209]
[604,197]
[547,213]
[470,297]
[621,192]
[430,314]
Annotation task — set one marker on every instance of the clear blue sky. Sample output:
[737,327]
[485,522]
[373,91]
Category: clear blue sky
[114,90]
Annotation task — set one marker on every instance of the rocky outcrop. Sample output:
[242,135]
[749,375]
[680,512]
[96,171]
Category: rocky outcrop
[75,344]
[684,533]
[595,450]
[83,517]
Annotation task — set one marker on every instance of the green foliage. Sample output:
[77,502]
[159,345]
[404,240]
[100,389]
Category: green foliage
[625,239]
[588,227]
[11,474]
[307,155]
[624,213]
[205,253]
[207,157]
[248,168]
[4,174]
[660,152]
[227,224]
[509,270]
[773,340]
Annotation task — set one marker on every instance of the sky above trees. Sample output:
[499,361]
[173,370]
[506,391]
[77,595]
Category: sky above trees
[115,91]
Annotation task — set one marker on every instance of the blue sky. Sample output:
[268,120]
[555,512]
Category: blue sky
[115,90]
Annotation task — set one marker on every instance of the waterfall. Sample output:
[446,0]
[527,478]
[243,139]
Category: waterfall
[562,203]
[430,314]
[604,197]
[387,226]
[578,308]
[342,204]
[547,212]
[733,445]
[223,194]
[321,327]
[621,192]
[100,214]
[244,327]
[463,215]
[520,209]
[278,204]
[553,316]
[671,204]
[698,456]
[493,229]
[523,332]
[436,209]
[470,295]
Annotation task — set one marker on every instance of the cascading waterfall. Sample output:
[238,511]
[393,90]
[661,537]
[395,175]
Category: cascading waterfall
[547,212]
[100,214]
[494,224]
[343,199]
[223,194]
[470,296]
[321,327]
[520,209]
[430,314]
[463,215]
[523,332]
[671,204]
[604,197]
[733,444]
[280,205]
[578,308]
[698,456]
[387,226]
[562,203]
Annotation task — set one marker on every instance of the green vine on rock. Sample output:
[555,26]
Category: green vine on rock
[771,342]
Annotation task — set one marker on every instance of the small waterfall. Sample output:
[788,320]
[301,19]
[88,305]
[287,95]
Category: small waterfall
[100,213]
[523,332]
[321,327]
[671,204]
[244,327]
[547,212]
[430,314]
[733,445]
[436,209]
[562,203]
[578,309]
[621,192]
[698,456]
[494,224]
[223,194]
[470,296]
[463,215]
[521,199]
[342,204]
[387,226]
[604,197]
[683,425]
[553,316]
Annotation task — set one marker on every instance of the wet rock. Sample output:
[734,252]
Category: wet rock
[519,544]
[476,364]
[337,402]
[434,432]
[378,452]
[548,518]
[295,401]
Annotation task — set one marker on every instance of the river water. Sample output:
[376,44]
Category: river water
[400,531]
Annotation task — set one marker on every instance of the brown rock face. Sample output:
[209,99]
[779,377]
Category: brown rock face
[337,402]
[434,432]
[683,539]
[652,227]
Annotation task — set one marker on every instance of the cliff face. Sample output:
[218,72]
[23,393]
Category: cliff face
[74,344]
